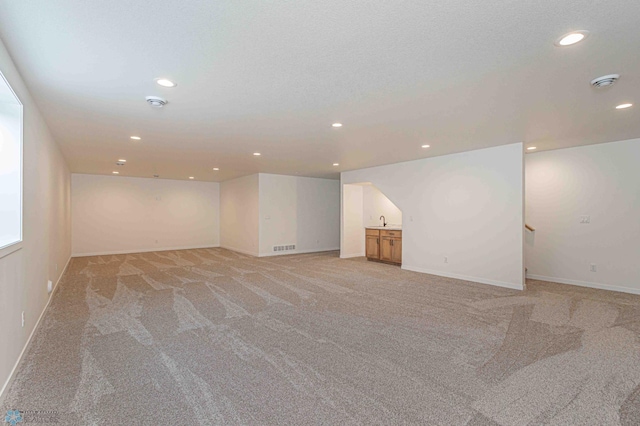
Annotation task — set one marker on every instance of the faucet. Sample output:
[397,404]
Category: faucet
[384,220]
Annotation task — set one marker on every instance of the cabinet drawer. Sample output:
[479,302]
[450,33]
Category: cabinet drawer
[373,232]
[397,234]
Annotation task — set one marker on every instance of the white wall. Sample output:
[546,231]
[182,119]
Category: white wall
[298,210]
[362,205]
[46,245]
[278,211]
[601,181]
[264,210]
[239,215]
[467,207]
[352,241]
[376,204]
[113,214]
[318,214]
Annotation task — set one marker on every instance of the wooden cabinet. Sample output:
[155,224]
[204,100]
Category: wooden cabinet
[373,247]
[384,245]
[396,250]
[385,249]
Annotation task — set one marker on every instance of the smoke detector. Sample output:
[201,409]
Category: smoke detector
[156,102]
[605,80]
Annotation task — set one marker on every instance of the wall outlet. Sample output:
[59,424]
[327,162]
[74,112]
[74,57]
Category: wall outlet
[585,219]
[410,218]
[23,318]
[56,267]
[446,259]
[49,286]
[593,267]
[156,241]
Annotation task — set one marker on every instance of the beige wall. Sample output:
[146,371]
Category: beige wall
[46,246]
[114,214]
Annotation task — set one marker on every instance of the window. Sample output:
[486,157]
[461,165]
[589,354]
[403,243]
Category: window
[10,166]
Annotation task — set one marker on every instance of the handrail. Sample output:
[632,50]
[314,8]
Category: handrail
[530,228]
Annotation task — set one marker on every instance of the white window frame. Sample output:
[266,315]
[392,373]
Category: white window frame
[17,245]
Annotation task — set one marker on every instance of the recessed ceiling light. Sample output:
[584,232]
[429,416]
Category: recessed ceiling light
[191,177]
[531,148]
[256,154]
[136,138]
[336,164]
[115,173]
[426,146]
[624,106]
[336,125]
[572,38]
[165,82]
[216,169]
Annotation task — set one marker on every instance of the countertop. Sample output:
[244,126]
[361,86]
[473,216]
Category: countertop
[385,228]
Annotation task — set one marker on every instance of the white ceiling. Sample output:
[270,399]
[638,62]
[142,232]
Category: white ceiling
[272,75]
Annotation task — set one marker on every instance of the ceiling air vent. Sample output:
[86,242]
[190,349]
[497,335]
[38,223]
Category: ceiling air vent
[605,80]
[156,102]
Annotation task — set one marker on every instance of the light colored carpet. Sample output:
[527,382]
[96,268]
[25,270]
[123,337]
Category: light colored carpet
[214,337]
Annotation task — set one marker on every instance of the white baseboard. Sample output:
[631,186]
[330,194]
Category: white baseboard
[107,253]
[318,250]
[55,286]
[248,253]
[33,331]
[348,256]
[585,284]
[464,277]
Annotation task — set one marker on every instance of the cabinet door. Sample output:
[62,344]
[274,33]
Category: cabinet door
[396,250]
[385,249]
[373,247]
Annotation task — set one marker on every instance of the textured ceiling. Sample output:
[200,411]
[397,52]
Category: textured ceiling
[272,75]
